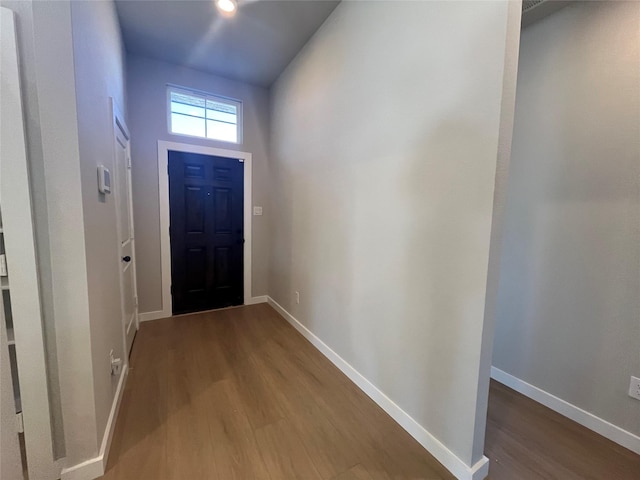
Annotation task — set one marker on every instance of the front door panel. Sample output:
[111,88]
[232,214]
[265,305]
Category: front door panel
[206,209]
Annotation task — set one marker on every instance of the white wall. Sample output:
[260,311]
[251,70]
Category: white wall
[568,317]
[71,62]
[147,82]
[99,74]
[24,16]
[385,134]
[57,121]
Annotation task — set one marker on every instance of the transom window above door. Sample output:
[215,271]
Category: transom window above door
[204,115]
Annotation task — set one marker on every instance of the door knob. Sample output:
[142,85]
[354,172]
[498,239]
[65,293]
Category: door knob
[126,259]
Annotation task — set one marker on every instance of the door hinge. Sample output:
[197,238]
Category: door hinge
[129,163]
[136,300]
[19,423]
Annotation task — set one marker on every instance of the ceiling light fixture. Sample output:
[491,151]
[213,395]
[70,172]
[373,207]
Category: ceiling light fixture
[227,7]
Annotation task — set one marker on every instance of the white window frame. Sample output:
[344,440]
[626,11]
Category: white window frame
[208,96]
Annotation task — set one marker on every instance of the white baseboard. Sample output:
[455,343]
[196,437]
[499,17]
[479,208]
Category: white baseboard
[450,461]
[147,316]
[158,314]
[95,467]
[584,418]
[256,300]
[88,470]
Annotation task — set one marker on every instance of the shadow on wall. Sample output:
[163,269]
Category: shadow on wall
[448,275]
[567,302]
[385,158]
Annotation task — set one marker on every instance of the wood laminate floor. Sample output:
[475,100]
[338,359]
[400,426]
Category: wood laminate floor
[239,394]
[527,441]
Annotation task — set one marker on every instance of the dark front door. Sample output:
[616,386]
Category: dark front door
[206,208]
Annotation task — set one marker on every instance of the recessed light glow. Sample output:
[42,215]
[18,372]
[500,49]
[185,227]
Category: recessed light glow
[227,7]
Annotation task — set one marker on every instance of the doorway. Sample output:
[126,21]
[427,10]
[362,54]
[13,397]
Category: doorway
[206,206]
[126,241]
[164,148]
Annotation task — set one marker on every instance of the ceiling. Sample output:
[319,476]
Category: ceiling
[534,10]
[254,46]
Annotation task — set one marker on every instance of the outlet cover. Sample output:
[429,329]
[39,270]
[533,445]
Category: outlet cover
[634,388]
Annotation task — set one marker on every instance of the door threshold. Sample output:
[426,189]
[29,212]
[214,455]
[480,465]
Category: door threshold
[207,311]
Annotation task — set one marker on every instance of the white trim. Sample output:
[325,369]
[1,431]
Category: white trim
[208,96]
[119,124]
[96,467]
[22,265]
[105,447]
[578,415]
[148,316]
[445,456]
[256,300]
[163,194]
[87,470]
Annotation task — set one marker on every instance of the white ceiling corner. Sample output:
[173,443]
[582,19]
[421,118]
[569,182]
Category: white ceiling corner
[254,46]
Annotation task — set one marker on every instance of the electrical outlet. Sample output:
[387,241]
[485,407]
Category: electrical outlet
[634,388]
[116,364]
[298,297]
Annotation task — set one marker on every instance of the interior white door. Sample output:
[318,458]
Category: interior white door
[125,232]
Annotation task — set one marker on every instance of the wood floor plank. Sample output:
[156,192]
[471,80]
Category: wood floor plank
[528,441]
[357,472]
[193,458]
[284,453]
[328,448]
[240,394]
[139,444]
[235,452]
[256,395]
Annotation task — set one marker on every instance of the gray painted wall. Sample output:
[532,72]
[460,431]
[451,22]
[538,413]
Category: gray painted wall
[385,134]
[507,112]
[52,89]
[24,16]
[568,317]
[147,81]
[71,60]
[99,74]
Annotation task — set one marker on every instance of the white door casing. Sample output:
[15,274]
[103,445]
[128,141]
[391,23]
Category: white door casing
[126,240]
[18,231]
[10,462]
[163,198]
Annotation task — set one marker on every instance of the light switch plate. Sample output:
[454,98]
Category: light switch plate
[634,388]
[257,210]
[104,179]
